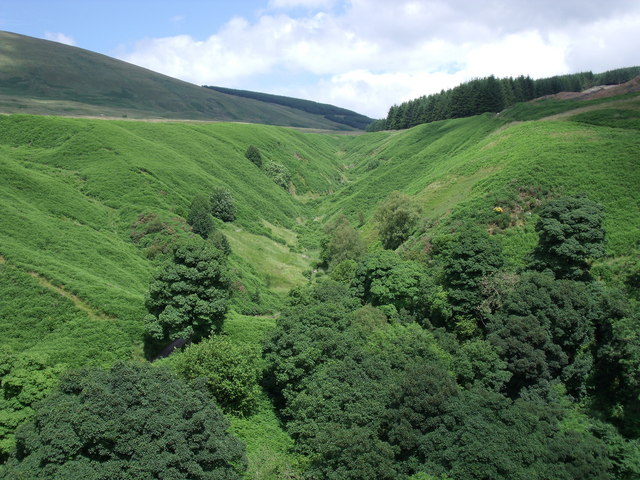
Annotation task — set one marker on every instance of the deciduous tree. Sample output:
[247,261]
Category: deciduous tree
[188,297]
[131,422]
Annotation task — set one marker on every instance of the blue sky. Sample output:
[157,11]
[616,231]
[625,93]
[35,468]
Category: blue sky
[360,54]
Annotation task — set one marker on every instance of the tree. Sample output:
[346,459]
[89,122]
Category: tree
[231,371]
[222,205]
[397,216]
[571,235]
[188,297]
[25,379]
[383,278]
[131,422]
[545,330]
[482,434]
[470,258]
[254,155]
[199,216]
[308,333]
[342,242]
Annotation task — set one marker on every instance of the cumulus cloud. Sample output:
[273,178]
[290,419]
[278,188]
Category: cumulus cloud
[369,54]
[60,38]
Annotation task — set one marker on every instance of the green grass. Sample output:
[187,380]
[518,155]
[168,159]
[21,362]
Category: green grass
[459,170]
[538,109]
[72,190]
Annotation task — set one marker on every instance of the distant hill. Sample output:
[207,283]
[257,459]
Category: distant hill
[49,78]
[334,114]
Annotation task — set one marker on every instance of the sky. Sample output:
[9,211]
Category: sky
[365,55]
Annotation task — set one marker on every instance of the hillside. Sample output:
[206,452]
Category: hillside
[90,208]
[340,115]
[76,192]
[49,78]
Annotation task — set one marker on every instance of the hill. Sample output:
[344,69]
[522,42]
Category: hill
[49,78]
[336,114]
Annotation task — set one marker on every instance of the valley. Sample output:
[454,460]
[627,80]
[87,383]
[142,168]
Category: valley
[91,209]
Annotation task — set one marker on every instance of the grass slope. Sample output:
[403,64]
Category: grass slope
[462,169]
[74,190]
[49,78]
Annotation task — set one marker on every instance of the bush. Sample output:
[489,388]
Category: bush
[397,216]
[231,371]
[222,205]
[254,155]
[199,217]
[279,174]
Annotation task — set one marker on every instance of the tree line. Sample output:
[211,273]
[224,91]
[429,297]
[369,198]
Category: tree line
[491,94]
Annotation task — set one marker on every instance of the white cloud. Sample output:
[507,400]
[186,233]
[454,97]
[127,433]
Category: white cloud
[60,38]
[373,53]
[312,4]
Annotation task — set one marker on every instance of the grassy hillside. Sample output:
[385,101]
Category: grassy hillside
[49,78]
[336,114]
[459,170]
[89,203]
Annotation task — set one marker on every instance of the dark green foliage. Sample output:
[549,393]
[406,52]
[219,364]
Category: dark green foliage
[344,398]
[222,205]
[219,240]
[130,422]
[617,362]
[279,173]
[485,435]
[571,235]
[469,259]
[199,216]
[342,242]
[254,155]
[335,114]
[308,332]
[397,217]
[25,379]
[414,409]
[544,331]
[231,371]
[477,362]
[188,297]
[384,279]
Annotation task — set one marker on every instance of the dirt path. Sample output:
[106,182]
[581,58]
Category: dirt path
[632,104]
[80,304]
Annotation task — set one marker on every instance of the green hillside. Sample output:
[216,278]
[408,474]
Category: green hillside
[469,166]
[49,78]
[90,208]
[336,114]
[87,202]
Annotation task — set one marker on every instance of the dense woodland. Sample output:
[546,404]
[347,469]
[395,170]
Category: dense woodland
[493,95]
[240,301]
